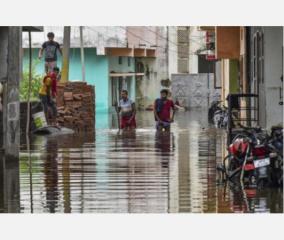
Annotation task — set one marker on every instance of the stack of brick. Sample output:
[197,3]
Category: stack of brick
[76,106]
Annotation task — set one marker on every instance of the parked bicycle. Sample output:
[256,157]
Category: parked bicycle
[218,114]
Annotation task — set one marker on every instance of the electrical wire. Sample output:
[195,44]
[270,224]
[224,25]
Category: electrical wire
[138,37]
[165,48]
[150,30]
[103,36]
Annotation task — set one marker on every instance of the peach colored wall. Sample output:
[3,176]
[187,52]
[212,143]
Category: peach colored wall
[141,35]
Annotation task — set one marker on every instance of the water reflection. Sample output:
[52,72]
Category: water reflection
[136,172]
[9,185]
[50,167]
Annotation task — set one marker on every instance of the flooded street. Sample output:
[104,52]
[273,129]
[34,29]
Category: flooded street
[141,172]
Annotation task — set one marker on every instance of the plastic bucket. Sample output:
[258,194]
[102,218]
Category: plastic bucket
[39,120]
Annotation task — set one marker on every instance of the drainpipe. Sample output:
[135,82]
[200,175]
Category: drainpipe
[30,80]
[248,69]
[248,55]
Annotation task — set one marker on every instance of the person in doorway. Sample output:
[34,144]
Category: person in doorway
[162,111]
[127,111]
[50,47]
[46,99]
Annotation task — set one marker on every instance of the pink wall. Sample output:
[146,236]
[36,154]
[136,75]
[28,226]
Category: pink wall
[142,35]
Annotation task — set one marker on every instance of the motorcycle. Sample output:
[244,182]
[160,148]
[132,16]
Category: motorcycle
[275,145]
[253,159]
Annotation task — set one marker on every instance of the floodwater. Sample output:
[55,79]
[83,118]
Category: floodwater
[141,172]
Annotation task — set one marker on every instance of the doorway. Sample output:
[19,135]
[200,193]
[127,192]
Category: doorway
[118,84]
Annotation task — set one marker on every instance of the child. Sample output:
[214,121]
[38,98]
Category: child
[55,77]
[50,47]
[45,96]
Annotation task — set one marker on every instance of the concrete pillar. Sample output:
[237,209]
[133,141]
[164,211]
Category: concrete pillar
[65,55]
[10,76]
[9,185]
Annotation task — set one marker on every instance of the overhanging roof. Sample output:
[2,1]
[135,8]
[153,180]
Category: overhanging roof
[125,74]
[130,52]
[207,28]
[32,28]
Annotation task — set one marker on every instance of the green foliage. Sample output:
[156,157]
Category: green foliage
[35,84]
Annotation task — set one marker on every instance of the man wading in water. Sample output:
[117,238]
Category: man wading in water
[162,111]
[127,110]
[50,48]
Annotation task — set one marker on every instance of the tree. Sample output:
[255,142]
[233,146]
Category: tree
[35,84]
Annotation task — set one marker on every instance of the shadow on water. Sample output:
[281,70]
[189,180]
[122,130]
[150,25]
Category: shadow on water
[137,172]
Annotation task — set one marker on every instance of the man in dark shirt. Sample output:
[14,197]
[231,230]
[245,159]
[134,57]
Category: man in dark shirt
[162,111]
[50,47]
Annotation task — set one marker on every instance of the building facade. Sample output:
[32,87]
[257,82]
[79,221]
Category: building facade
[132,58]
[266,72]
[250,60]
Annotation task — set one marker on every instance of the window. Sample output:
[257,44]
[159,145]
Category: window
[120,60]
[129,61]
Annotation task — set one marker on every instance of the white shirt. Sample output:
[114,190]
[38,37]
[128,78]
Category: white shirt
[126,107]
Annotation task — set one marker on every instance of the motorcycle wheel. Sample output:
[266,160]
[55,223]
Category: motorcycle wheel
[262,183]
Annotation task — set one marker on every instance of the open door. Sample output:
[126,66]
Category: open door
[118,84]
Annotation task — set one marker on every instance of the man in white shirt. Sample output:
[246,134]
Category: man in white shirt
[126,108]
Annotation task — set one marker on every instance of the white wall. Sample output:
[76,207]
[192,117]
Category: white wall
[162,53]
[273,42]
[172,58]
[142,35]
[196,42]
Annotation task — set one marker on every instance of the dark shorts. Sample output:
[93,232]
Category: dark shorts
[46,102]
[49,66]
[163,125]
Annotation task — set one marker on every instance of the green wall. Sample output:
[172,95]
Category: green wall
[234,76]
[97,69]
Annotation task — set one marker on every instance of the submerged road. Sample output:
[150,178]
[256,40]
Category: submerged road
[141,172]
